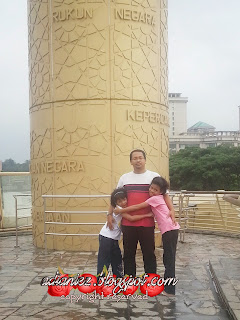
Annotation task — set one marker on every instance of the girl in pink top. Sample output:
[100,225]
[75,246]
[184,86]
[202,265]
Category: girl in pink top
[168,228]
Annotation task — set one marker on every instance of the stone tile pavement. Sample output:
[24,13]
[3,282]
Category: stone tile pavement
[22,297]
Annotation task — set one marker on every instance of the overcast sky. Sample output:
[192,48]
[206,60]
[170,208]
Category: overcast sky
[204,65]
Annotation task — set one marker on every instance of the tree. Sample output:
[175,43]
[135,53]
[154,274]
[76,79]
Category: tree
[206,169]
[10,165]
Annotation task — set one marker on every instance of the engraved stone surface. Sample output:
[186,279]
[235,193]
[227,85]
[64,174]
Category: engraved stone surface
[98,89]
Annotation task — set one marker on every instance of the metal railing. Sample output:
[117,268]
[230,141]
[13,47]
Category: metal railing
[207,211]
[195,211]
[8,185]
[204,211]
[16,215]
[45,197]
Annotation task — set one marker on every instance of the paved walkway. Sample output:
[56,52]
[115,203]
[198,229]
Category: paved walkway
[22,297]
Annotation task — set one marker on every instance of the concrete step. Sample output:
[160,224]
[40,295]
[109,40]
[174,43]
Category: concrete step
[226,277]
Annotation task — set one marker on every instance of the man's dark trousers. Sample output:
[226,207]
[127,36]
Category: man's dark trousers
[131,236]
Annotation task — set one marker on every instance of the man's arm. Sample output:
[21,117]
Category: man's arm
[131,208]
[137,217]
[170,207]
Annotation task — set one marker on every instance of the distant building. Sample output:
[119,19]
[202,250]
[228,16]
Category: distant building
[239,117]
[201,127]
[177,114]
[204,140]
[200,135]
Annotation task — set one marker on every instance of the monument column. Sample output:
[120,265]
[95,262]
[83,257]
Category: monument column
[98,89]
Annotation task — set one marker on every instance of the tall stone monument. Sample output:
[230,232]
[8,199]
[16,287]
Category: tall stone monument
[98,89]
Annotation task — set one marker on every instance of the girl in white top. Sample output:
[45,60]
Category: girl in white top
[109,251]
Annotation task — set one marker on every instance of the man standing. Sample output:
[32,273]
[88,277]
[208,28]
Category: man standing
[137,185]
